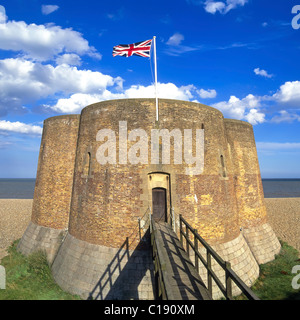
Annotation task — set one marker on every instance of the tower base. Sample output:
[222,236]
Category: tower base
[102,273]
[39,238]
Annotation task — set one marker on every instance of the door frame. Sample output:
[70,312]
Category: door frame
[160,180]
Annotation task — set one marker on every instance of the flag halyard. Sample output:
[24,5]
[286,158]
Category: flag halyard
[141,49]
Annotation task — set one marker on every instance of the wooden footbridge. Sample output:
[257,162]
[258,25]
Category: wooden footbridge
[176,277]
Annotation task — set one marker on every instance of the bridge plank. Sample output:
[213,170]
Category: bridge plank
[184,280]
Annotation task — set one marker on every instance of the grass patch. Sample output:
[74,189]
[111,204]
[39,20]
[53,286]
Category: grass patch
[275,280]
[30,278]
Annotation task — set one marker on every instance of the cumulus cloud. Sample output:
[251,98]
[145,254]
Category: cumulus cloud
[19,127]
[43,42]
[212,6]
[207,94]
[288,94]
[71,59]
[47,9]
[247,109]
[263,73]
[24,81]
[76,102]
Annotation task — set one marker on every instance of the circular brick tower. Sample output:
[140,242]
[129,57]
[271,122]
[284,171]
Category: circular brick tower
[126,167]
[249,192]
[53,188]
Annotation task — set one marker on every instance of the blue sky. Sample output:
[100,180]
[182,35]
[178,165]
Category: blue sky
[239,56]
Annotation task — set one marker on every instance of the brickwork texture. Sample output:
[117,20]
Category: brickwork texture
[103,206]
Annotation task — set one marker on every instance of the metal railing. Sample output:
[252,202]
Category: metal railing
[230,275]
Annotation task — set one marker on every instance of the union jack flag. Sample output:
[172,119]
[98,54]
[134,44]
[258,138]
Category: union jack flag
[141,49]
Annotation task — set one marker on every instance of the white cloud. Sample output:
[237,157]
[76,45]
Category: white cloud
[3,16]
[285,116]
[232,4]
[23,82]
[255,117]
[71,59]
[207,94]
[47,9]
[288,94]
[76,102]
[263,73]
[43,42]
[247,109]
[212,6]
[175,48]
[19,127]
[175,39]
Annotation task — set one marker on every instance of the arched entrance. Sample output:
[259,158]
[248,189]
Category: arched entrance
[159,204]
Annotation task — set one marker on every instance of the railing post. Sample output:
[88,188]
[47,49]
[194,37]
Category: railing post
[173,220]
[180,229]
[196,250]
[209,269]
[228,281]
[150,220]
[139,219]
[187,238]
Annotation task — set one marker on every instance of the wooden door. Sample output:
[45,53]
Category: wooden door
[159,204]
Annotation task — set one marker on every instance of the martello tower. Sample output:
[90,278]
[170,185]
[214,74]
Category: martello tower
[92,218]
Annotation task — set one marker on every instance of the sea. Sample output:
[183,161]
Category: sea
[273,188]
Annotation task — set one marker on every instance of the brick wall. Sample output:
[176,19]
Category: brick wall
[54,180]
[107,203]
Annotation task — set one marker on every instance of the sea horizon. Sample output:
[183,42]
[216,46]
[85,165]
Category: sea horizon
[23,188]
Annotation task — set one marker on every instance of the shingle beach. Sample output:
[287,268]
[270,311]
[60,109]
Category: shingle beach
[283,214]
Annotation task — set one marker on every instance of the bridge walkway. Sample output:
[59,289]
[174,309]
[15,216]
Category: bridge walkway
[181,280]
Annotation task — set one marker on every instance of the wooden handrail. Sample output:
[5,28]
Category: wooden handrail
[164,291]
[230,275]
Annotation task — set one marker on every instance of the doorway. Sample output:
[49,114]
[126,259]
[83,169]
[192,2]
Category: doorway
[159,205]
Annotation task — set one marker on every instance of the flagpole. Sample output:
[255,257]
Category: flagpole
[155,72]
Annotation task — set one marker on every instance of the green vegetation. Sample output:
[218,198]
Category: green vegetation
[275,280]
[29,278]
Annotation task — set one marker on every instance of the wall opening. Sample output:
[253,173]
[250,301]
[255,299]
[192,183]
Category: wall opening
[87,168]
[223,166]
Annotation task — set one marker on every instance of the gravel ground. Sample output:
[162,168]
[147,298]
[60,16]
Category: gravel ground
[14,217]
[284,217]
